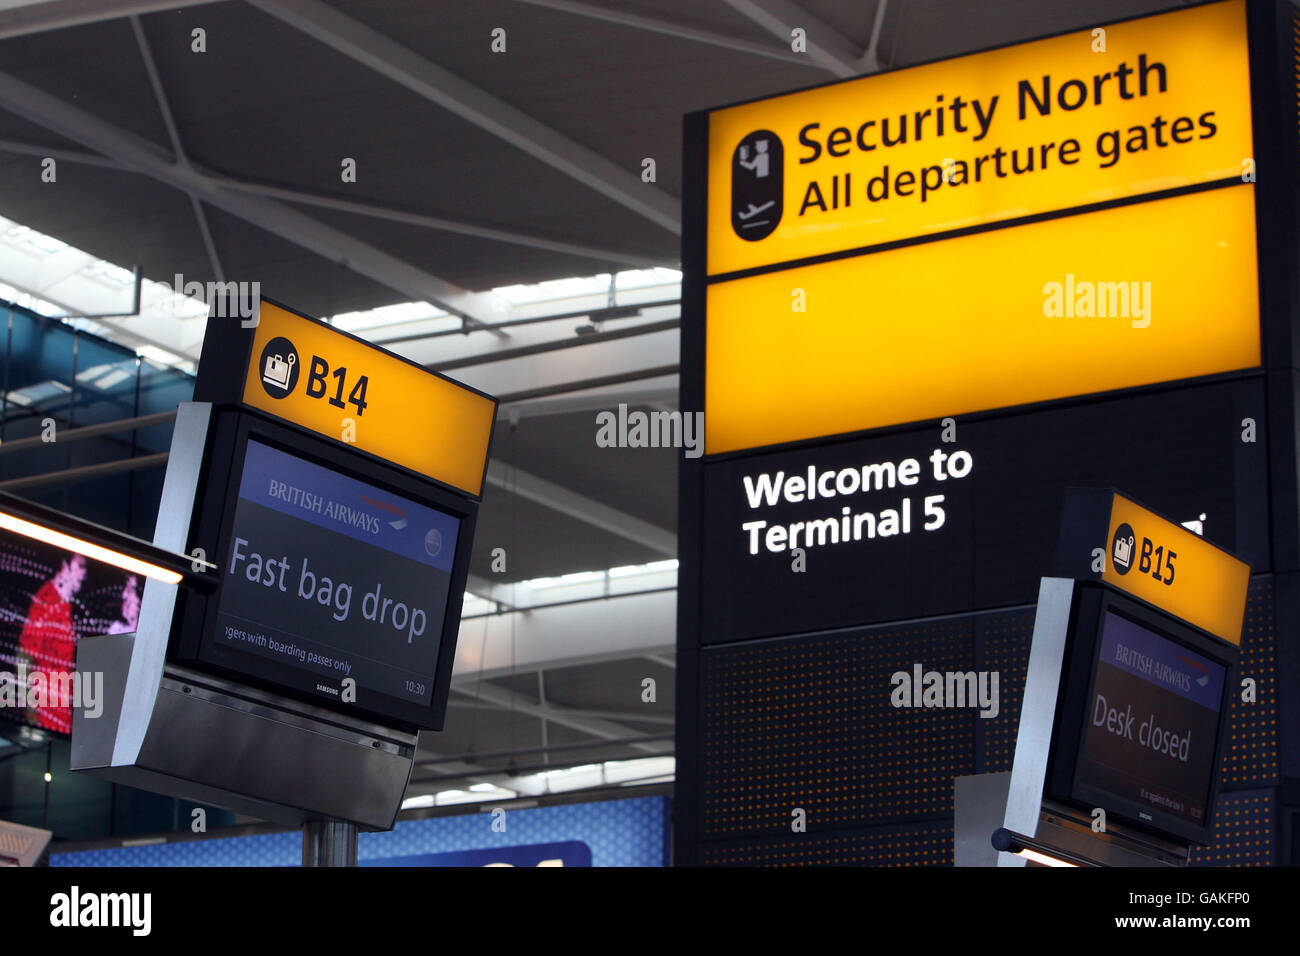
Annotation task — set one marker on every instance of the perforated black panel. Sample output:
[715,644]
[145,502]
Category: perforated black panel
[914,846]
[1004,641]
[1244,826]
[1250,748]
[809,724]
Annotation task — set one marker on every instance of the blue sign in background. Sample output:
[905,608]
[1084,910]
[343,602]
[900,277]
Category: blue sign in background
[391,522]
[569,853]
[631,832]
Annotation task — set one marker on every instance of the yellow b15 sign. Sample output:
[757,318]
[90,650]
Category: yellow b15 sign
[1166,565]
[316,377]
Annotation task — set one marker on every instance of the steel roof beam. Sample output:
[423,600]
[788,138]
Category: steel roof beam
[55,152]
[178,148]
[25,17]
[827,47]
[620,627]
[870,61]
[373,210]
[595,726]
[77,124]
[443,224]
[670,28]
[584,509]
[474,105]
[596,400]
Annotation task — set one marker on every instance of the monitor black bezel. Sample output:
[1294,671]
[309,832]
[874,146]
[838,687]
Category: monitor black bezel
[211,526]
[1092,602]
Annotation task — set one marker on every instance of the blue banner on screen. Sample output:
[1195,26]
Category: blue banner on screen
[1151,726]
[327,579]
[338,503]
[1161,662]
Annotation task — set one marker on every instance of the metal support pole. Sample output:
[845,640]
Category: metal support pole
[329,843]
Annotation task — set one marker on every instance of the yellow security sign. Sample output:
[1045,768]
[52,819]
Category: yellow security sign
[1089,303]
[1179,572]
[1133,108]
[322,379]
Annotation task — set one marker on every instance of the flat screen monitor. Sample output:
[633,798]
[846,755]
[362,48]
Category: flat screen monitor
[336,587]
[1152,725]
[1143,743]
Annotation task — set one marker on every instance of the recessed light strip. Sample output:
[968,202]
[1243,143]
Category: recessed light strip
[81,546]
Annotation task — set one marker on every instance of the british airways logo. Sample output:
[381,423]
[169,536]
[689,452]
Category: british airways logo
[396,516]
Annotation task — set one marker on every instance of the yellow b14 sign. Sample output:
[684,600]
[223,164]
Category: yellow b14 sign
[319,378]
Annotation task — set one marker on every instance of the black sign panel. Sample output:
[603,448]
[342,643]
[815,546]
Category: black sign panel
[908,524]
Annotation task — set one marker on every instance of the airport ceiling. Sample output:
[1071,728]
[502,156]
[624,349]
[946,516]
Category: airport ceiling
[474,170]
[545,141]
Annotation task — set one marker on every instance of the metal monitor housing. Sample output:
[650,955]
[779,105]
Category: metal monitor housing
[184,732]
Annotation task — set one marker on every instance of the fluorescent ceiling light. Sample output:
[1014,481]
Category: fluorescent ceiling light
[518,294]
[162,356]
[106,374]
[635,279]
[47,243]
[640,769]
[645,278]
[448,797]
[38,392]
[25,235]
[94,371]
[115,377]
[109,272]
[566,288]
[582,577]
[384,315]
